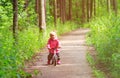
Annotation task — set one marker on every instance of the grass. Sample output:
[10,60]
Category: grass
[97,73]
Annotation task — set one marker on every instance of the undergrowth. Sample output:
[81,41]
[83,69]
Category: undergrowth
[105,36]
[30,41]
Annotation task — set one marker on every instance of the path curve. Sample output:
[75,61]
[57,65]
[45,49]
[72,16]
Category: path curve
[73,58]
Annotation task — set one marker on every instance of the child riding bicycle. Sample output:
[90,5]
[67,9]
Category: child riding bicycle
[53,45]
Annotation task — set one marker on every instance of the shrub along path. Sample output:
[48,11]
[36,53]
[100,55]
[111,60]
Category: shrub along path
[73,59]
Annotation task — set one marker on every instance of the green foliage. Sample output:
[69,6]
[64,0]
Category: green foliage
[29,42]
[5,14]
[105,37]
[97,73]
[12,57]
[27,17]
[67,27]
[90,59]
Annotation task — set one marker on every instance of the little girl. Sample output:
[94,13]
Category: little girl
[53,44]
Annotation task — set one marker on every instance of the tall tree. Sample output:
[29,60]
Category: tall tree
[108,6]
[36,6]
[91,8]
[77,9]
[64,11]
[60,9]
[94,7]
[88,10]
[55,12]
[70,10]
[41,15]
[15,19]
[83,10]
[115,6]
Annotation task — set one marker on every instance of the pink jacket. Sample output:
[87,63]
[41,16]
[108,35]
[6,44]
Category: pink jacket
[53,44]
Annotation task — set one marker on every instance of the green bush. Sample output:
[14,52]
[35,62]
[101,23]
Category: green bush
[29,42]
[105,37]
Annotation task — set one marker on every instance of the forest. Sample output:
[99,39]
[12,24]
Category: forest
[25,27]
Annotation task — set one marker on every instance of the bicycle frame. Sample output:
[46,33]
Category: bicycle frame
[54,58]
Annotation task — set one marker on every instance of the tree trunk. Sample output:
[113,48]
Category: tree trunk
[77,10]
[64,11]
[88,11]
[83,10]
[51,4]
[55,12]
[37,6]
[60,10]
[91,8]
[41,15]
[70,10]
[94,3]
[15,19]
[108,6]
[115,6]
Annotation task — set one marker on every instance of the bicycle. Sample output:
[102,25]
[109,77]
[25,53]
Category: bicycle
[54,58]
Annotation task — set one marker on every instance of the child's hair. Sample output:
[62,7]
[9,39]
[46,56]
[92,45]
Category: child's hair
[53,33]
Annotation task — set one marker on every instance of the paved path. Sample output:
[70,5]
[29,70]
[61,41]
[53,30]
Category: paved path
[73,58]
